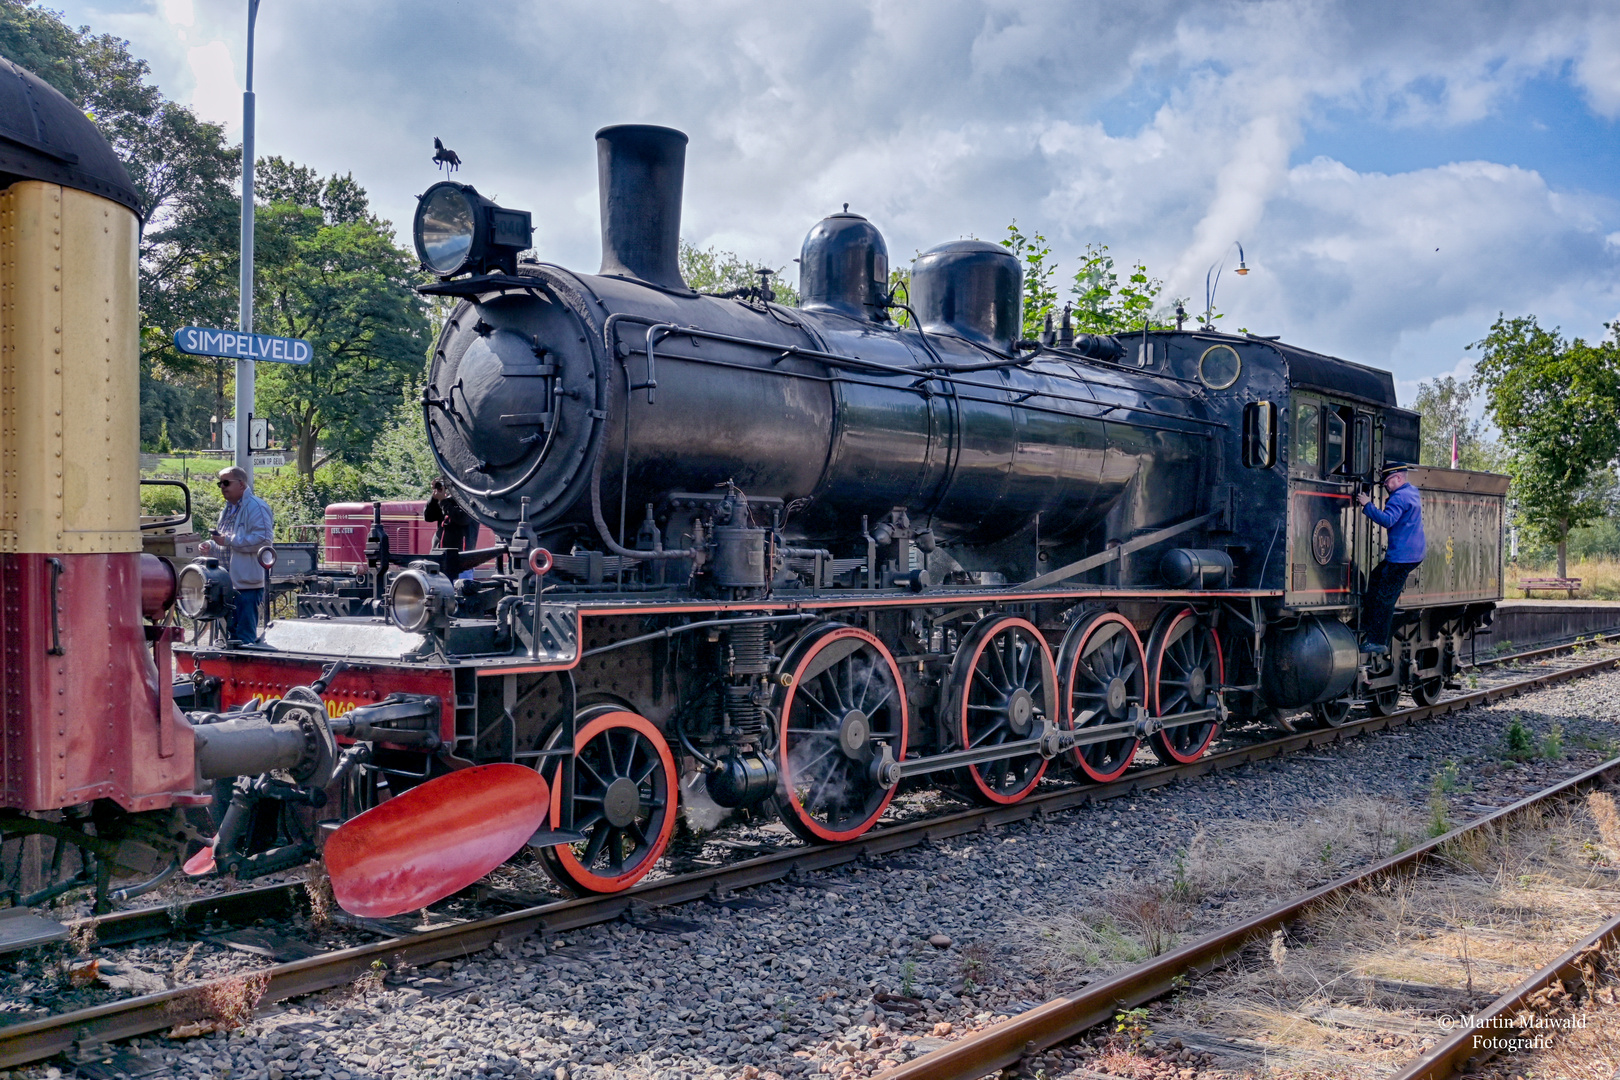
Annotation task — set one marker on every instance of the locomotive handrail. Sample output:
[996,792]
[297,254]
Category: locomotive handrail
[1091,562]
[929,372]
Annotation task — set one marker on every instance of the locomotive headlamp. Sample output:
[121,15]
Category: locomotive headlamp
[421,599]
[458,230]
[205,590]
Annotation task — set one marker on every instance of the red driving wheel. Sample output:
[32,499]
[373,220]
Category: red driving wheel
[1101,674]
[1185,670]
[625,786]
[845,703]
[1003,684]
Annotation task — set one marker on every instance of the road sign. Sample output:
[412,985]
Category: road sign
[258,434]
[201,341]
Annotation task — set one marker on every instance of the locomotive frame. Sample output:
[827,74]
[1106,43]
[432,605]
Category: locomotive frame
[903,553]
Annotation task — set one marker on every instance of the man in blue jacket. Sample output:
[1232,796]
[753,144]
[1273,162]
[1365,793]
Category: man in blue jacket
[1402,515]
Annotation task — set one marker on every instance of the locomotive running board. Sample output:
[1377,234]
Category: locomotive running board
[1091,562]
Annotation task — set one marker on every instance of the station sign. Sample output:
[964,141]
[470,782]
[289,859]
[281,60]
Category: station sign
[235,345]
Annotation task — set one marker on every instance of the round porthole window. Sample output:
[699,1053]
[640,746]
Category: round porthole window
[1219,367]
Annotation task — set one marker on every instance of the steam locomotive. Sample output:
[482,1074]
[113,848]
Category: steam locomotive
[773,560]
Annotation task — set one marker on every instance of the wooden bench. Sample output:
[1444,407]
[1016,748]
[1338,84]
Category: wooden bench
[1551,584]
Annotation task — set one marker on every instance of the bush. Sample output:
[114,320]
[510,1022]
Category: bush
[300,502]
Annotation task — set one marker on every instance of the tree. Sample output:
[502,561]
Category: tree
[1444,405]
[1040,294]
[707,270]
[1103,305]
[345,286]
[401,465]
[1557,404]
[184,174]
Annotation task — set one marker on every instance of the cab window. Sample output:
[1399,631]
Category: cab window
[1333,444]
[1307,435]
[1361,449]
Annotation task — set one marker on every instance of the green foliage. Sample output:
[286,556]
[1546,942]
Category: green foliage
[1557,404]
[1552,744]
[1040,291]
[347,288]
[1133,1024]
[908,977]
[900,289]
[1444,403]
[299,501]
[1518,742]
[401,465]
[710,271]
[1105,306]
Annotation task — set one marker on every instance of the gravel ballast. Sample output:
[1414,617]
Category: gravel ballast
[875,963]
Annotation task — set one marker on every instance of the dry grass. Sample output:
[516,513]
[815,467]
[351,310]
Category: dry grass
[318,889]
[1601,806]
[1600,579]
[1125,927]
[1295,854]
[1362,983]
[1589,1051]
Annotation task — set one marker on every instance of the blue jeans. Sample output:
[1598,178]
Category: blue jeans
[245,619]
[1384,587]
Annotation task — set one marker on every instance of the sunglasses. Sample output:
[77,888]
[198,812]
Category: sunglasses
[226,483]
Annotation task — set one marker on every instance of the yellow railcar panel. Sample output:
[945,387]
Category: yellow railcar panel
[69,372]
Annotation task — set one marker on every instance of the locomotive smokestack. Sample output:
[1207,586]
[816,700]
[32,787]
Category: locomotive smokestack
[640,168]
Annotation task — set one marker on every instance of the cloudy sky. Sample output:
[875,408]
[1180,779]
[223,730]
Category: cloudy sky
[1397,173]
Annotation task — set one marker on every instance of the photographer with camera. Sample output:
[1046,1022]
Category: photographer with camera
[455,524]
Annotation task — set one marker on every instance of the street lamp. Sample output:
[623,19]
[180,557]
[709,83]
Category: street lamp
[244,368]
[1210,287]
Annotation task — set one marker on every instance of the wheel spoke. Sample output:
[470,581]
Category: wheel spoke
[882,701]
[1001,722]
[581,763]
[808,696]
[866,685]
[652,767]
[593,849]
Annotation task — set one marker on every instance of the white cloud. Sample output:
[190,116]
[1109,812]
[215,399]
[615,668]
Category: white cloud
[179,13]
[1166,129]
[217,97]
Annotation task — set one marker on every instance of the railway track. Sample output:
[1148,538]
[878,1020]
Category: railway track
[135,1016]
[1472,1039]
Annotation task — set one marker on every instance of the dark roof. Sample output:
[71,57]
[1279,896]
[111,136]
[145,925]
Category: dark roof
[1329,373]
[44,136]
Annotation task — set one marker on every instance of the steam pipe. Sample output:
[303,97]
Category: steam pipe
[607,537]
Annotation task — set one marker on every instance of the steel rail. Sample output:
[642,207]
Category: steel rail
[242,905]
[131,1017]
[1462,1049]
[1007,1043]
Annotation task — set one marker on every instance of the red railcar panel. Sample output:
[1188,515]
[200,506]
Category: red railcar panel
[245,678]
[84,712]
[348,524]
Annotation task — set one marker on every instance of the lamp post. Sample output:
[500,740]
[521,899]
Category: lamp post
[244,368]
[1210,287]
